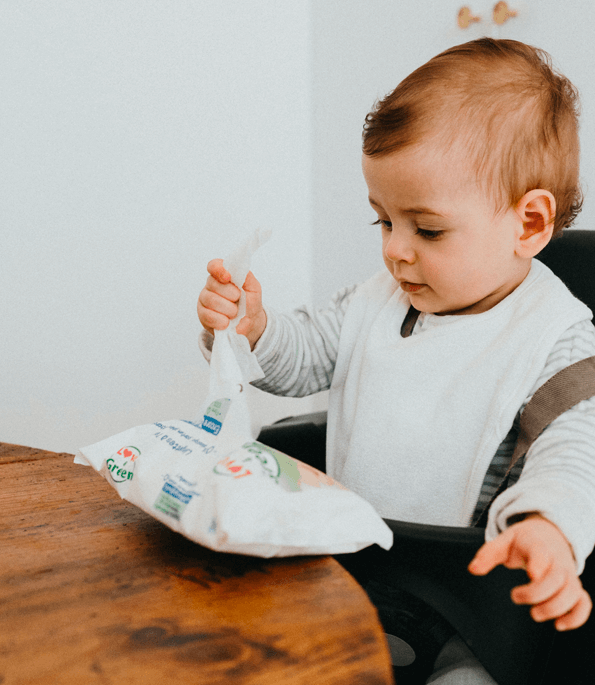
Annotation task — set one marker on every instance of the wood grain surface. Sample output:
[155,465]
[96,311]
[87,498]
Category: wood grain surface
[95,591]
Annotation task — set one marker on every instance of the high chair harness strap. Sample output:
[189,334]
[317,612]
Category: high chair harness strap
[560,393]
[409,322]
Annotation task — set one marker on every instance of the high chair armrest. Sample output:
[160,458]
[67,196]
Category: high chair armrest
[302,437]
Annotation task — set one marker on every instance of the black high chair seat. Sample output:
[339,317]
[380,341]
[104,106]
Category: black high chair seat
[422,587]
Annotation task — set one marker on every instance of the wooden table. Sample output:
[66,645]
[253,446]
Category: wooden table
[95,591]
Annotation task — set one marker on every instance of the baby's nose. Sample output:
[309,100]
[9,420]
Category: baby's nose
[398,248]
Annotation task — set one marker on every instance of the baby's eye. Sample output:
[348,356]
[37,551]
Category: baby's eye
[427,234]
[386,224]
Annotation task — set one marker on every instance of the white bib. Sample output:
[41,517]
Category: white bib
[415,422]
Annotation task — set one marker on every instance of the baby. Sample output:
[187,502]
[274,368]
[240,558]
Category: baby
[472,166]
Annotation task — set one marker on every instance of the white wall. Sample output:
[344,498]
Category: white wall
[139,140]
[362,50]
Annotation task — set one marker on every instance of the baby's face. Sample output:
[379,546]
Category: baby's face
[441,239]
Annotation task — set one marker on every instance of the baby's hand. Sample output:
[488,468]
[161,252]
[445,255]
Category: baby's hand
[538,546]
[218,303]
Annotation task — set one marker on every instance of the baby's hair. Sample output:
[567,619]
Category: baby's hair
[516,117]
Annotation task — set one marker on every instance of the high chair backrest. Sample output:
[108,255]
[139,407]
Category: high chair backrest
[571,256]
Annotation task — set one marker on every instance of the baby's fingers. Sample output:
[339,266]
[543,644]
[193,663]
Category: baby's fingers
[214,310]
[251,284]
[555,596]
[218,271]
[228,290]
[213,302]
[570,608]
[578,615]
[498,551]
[542,586]
[253,292]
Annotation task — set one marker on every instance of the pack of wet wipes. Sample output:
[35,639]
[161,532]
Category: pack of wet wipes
[210,480]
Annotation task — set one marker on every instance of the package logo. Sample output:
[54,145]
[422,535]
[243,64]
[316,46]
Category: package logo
[211,425]
[214,416]
[120,465]
[256,458]
[236,468]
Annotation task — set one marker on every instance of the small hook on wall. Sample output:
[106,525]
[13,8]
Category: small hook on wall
[502,13]
[465,18]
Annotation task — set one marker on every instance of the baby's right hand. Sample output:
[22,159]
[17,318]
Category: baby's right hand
[218,303]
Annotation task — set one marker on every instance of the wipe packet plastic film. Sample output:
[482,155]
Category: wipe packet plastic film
[210,480]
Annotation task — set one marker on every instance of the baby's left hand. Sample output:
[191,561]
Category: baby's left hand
[538,546]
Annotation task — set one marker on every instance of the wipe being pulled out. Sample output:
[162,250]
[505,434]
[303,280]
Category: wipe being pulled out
[210,480]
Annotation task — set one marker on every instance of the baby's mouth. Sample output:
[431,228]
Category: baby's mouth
[411,287]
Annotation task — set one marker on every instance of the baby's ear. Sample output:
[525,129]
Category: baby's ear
[537,211]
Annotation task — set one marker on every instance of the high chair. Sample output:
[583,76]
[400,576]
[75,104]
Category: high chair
[421,587]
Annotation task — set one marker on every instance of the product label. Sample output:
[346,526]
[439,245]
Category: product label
[175,496]
[214,416]
[181,439]
[121,464]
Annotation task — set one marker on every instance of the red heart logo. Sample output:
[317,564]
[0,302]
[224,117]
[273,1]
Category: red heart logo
[235,469]
[127,453]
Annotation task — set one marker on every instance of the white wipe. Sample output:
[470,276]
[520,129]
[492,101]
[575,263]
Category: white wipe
[211,481]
